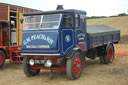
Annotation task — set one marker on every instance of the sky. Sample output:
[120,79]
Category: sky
[92,7]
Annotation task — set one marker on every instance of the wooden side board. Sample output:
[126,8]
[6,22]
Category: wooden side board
[13,8]
[0,28]
[3,12]
[0,33]
[19,31]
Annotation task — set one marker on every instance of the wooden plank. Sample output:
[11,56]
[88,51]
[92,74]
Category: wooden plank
[25,10]
[20,10]
[3,12]
[8,13]
[5,32]
[17,27]
[20,29]
[1,30]
[31,10]
[9,32]
[13,8]
[0,34]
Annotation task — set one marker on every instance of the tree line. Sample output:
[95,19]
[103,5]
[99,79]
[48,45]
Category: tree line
[95,17]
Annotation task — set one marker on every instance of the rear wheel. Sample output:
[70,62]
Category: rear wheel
[2,58]
[28,69]
[74,66]
[109,55]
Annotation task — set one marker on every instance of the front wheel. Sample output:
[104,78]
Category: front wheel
[74,66]
[28,69]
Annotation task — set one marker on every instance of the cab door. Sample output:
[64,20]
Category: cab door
[67,32]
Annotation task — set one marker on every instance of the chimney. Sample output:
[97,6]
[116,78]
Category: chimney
[59,7]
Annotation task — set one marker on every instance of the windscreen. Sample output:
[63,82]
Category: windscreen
[50,21]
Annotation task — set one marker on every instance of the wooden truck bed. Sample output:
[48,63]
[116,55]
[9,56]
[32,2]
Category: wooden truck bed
[98,35]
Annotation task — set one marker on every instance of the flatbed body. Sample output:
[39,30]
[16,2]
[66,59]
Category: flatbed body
[99,35]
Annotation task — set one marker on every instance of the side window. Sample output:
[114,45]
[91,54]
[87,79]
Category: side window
[76,20]
[82,21]
[68,20]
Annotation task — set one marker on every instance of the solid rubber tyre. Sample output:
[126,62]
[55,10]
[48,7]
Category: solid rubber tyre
[109,55]
[2,58]
[74,66]
[27,69]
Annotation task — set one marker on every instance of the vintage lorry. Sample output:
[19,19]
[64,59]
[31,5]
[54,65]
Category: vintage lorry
[60,40]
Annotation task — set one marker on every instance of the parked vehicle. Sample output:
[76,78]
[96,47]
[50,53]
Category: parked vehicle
[60,40]
[11,32]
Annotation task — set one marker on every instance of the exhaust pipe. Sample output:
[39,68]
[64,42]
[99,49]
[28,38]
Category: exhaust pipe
[59,7]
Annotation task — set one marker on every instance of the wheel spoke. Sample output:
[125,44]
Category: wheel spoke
[77,66]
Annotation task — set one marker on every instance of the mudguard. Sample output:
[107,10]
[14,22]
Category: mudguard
[71,53]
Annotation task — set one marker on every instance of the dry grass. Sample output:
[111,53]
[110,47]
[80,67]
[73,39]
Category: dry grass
[94,74]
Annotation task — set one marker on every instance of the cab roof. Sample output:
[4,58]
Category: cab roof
[56,11]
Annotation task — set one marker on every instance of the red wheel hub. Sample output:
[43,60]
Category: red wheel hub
[77,65]
[110,54]
[1,59]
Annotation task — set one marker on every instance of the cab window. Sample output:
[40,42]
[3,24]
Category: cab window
[76,20]
[82,21]
[47,21]
[67,21]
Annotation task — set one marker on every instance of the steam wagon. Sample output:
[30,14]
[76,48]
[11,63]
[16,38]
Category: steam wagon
[60,40]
